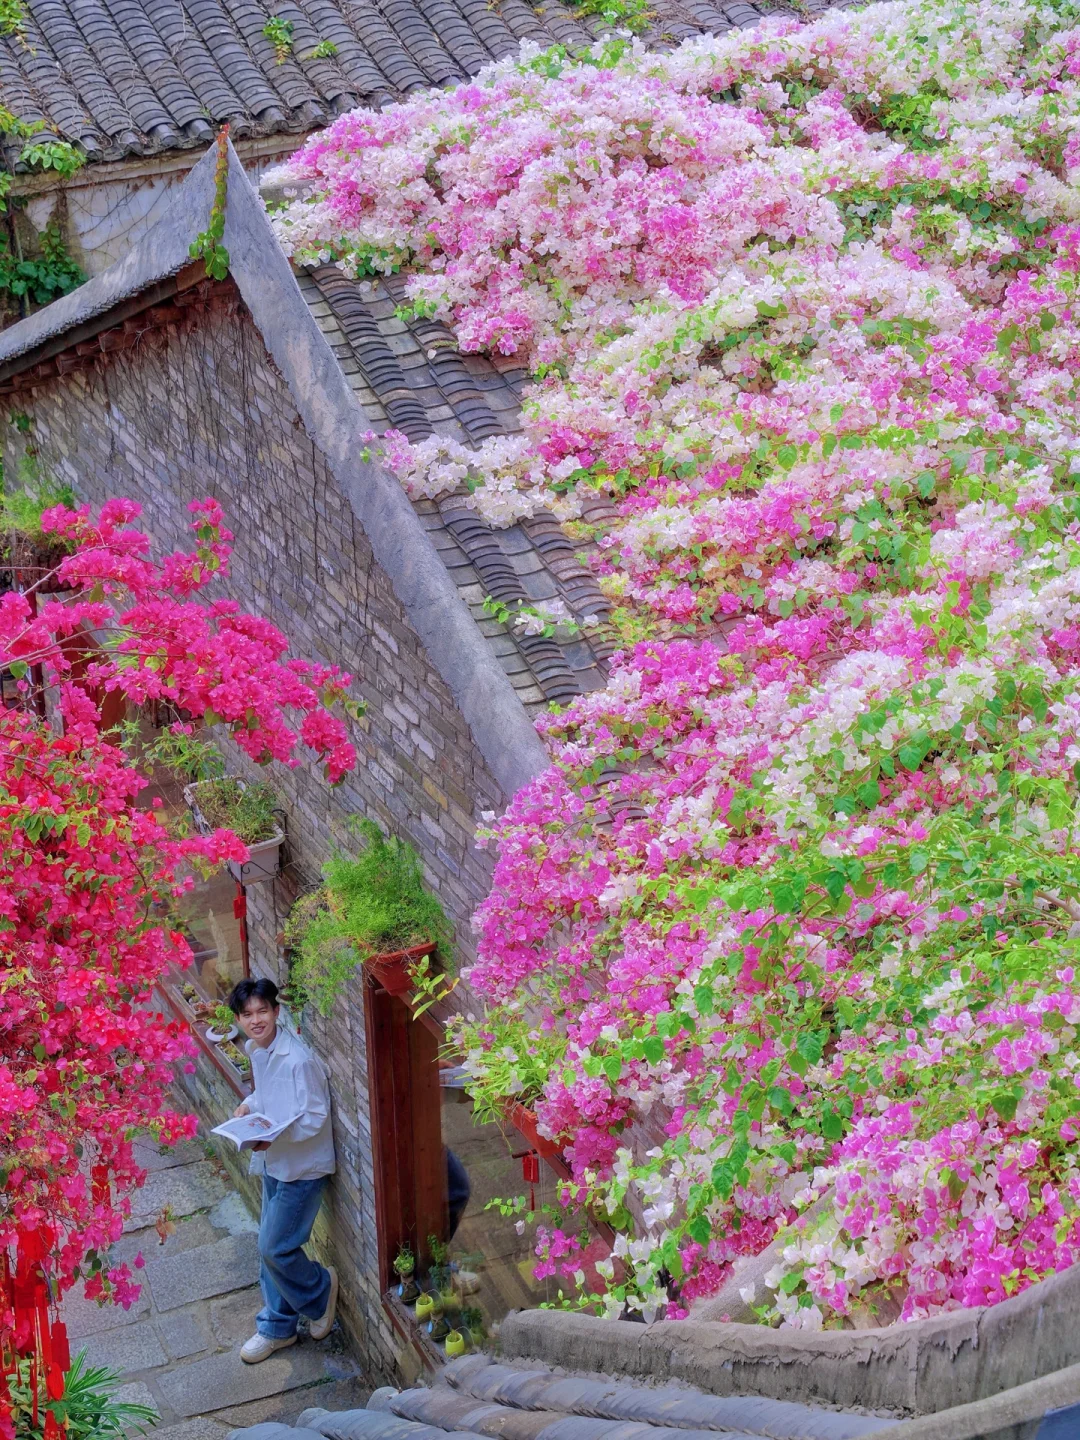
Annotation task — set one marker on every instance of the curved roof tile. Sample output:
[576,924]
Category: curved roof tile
[123,77]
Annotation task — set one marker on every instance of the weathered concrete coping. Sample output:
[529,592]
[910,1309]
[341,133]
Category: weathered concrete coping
[335,421]
[915,1369]
[1044,1409]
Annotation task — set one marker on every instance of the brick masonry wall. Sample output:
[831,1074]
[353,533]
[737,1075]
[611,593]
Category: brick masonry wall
[200,410]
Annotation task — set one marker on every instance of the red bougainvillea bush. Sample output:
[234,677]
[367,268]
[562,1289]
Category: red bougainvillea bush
[799,899]
[86,876]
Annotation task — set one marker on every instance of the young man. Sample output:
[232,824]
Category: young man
[288,1082]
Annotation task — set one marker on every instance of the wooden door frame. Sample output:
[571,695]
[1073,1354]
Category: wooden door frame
[406,1128]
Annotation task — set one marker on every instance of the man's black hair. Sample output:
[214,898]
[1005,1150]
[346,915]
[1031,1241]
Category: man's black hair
[252,990]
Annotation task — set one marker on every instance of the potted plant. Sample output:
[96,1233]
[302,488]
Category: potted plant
[373,911]
[404,1265]
[235,1056]
[456,1343]
[472,1320]
[250,811]
[222,1025]
[425,1306]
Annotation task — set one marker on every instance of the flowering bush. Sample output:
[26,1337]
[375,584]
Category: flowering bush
[86,879]
[783,946]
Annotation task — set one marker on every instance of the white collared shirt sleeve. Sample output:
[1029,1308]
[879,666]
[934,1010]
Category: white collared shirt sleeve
[290,1081]
[312,1101]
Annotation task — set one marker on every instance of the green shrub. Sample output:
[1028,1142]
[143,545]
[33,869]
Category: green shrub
[88,1404]
[373,905]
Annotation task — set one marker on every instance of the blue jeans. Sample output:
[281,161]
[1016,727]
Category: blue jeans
[291,1284]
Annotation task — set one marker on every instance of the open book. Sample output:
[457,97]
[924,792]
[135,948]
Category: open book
[246,1131]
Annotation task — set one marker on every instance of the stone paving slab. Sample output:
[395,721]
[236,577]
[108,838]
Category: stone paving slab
[86,1317]
[190,1232]
[216,1269]
[198,1429]
[232,1319]
[184,1188]
[351,1394]
[193,1389]
[151,1157]
[185,1332]
[128,1349]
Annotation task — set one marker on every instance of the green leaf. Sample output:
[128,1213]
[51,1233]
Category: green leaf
[832,1127]
[786,456]
[810,1047]
[914,750]
[835,881]
[613,1067]
[700,1229]
[1005,1103]
[780,1099]
[869,793]
[653,1049]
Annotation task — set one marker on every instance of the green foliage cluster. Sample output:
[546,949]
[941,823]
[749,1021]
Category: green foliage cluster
[207,244]
[247,810]
[374,904]
[88,1407]
[21,510]
[280,34]
[182,752]
[43,277]
[631,15]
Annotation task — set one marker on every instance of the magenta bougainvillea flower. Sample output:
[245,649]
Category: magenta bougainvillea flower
[87,878]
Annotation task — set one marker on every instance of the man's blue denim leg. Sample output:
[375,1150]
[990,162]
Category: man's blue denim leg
[292,1285]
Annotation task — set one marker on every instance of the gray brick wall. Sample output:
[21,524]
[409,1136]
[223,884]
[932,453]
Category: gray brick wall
[200,410]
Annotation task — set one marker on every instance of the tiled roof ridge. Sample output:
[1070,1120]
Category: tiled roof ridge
[481,1395]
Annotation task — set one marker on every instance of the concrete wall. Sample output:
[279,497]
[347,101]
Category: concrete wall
[200,411]
[105,209]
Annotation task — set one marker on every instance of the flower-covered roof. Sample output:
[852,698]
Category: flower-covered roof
[799,306]
[541,609]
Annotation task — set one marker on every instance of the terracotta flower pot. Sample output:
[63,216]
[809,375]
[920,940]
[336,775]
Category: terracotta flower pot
[524,1120]
[393,971]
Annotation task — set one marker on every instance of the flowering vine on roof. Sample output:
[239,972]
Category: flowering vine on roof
[784,943]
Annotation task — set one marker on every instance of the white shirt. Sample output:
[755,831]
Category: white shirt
[288,1080]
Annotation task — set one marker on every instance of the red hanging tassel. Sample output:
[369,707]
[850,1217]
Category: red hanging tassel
[52,1429]
[99,1184]
[61,1348]
[54,1382]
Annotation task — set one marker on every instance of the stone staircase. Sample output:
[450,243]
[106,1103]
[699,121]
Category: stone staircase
[178,1347]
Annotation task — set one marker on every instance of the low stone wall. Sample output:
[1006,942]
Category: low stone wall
[916,1369]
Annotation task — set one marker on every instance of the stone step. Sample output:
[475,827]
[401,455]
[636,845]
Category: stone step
[222,1381]
[86,1317]
[228,1264]
[183,1188]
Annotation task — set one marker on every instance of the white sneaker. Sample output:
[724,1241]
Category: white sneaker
[321,1328]
[261,1347]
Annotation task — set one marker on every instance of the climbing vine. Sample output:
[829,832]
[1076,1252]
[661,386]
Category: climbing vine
[34,279]
[207,245]
[279,32]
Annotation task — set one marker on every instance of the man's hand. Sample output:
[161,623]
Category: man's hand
[262,1145]
[241,1109]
